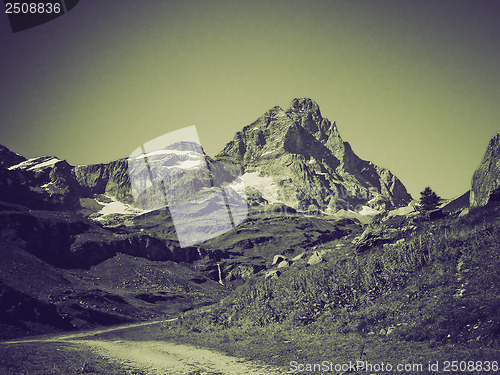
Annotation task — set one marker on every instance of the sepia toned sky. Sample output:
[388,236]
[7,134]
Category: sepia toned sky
[414,86]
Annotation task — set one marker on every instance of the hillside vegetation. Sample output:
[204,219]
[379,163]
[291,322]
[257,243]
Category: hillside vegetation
[428,298]
[440,284]
[433,295]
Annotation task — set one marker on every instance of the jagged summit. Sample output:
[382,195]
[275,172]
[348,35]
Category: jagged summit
[298,157]
[304,106]
[306,113]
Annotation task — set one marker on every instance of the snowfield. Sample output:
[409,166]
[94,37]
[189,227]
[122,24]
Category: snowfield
[264,184]
[116,207]
[32,164]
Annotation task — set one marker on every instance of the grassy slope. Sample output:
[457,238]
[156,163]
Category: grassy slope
[437,294]
[441,285]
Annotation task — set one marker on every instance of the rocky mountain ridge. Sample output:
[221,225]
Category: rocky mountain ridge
[298,157]
[294,157]
[52,183]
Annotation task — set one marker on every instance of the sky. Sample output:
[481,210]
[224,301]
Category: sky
[414,86]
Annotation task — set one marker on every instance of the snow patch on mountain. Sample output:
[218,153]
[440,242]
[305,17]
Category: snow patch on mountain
[166,152]
[115,207]
[45,164]
[365,210]
[189,164]
[348,214]
[264,184]
[170,159]
[36,163]
[49,186]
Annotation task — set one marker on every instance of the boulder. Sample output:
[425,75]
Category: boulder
[486,179]
[233,270]
[315,259]
[375,235]
[272,274]
[284,264]
[299,257]
[278,259]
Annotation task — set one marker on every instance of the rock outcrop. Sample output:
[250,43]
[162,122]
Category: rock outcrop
[67,240]
[105,178]
[297,157]
[374,235]
[43,182]
[486,178]
[9,158]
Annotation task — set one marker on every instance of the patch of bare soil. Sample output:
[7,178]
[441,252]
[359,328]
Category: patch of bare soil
[160,357]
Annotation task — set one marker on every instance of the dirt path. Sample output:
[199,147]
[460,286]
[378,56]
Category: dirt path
[164,358]
[158,357]
[94,332]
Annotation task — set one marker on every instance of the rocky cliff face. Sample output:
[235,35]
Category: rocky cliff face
[43,183]
[105,178]
[297,157]
[9,158]
[486,178]
[47,182]
[67,240]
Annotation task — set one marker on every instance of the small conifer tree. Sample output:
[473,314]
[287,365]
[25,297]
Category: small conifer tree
[429,200]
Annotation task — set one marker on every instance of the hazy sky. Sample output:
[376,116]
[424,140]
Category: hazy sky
[413,85]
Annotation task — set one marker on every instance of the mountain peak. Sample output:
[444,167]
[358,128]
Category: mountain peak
[495,140]
[304,106]
[301,160]
[306,113]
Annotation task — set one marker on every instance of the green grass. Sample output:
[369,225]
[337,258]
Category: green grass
[414,287]
[56,359]
[437,294]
